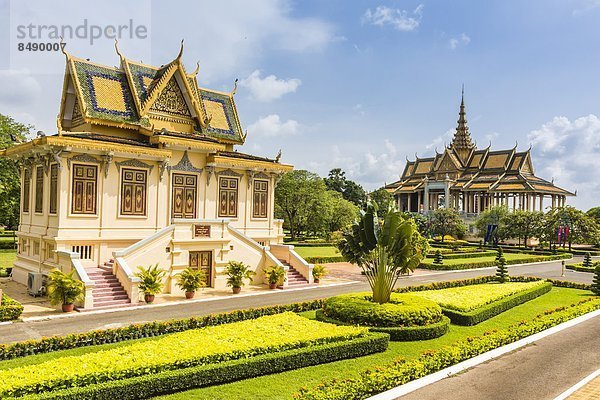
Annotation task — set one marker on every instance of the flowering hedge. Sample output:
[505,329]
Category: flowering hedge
[402,371]
[191,348]
[144,330]
[10,309]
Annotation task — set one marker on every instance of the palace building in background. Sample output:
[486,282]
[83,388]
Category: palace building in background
[472,180]
[143,170]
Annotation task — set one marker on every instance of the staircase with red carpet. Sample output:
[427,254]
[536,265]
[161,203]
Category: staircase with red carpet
[108,291]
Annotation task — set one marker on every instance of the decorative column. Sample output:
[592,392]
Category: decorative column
[426,199]
[419,202]
[409,202]
[533,201]
[553,197]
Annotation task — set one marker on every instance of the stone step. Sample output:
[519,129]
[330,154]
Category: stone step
[108,290]
[110,303]
[110,297]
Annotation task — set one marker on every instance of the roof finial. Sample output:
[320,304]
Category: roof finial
[193,74]
[180,51]
[516,144]
[63,45]
[234,87]
[462,96]
[117,49]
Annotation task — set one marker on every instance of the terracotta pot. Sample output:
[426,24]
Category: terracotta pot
[272,286]
[190,295]
[316,280]
[236,290]
[149,298]
[68,307]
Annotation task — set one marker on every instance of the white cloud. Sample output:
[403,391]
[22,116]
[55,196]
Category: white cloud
[400,20]
[568,152]
[272,126]
[19,88]
[270,87]
[586,6]
[439,142]
[460,40]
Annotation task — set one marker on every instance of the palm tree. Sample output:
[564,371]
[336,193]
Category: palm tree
[384,249]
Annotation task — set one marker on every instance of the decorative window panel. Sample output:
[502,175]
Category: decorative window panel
[184,196]
[53,188]
[84,189]
[39,189]
[86,252]
[26,189]
[228,197]
[133,191]
[260,199]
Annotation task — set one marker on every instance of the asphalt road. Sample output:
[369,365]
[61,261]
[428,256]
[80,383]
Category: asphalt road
[86,322]
[540,371]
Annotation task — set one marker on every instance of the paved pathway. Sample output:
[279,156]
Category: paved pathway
[540,371]
[86,322]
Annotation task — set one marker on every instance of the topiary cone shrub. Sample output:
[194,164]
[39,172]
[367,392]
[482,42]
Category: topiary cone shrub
[438,259]
[502,270]
[499,255]
[596,281]
[587,260]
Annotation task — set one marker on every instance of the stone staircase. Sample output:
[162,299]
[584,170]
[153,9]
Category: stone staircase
[108,292]
[294,278]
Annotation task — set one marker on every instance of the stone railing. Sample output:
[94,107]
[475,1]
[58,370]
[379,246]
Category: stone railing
[69,261]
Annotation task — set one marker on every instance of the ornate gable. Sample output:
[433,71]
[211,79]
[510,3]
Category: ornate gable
[171,101]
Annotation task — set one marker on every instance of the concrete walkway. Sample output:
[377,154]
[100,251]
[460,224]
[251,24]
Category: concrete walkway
[541,371]
[83,322]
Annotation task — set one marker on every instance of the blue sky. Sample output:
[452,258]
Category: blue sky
[360,85]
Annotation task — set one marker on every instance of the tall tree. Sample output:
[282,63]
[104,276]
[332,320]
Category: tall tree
[496,215]
[446,221]
[523,225]
[342,212]
[297,195]
[350,190]
[10,183]
[383,199]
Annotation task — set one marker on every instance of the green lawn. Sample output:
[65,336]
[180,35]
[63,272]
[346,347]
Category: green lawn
[7,258]
[283,385]
[507,256]
[318,251]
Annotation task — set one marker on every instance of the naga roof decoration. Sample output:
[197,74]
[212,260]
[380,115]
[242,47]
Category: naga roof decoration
[469,168]
[141,97]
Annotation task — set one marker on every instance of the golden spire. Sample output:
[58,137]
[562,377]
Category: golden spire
[462,143]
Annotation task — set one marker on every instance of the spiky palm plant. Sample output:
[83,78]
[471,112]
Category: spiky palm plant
[384,248]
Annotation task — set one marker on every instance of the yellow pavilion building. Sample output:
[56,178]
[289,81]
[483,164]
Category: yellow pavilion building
[472,180]
[142,171]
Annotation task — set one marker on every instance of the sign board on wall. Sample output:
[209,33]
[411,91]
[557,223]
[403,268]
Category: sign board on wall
[201,231]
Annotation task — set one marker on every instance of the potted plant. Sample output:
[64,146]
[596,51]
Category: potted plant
[237,272]
[274,275]
[150,281]
[318,272]
[190,280]
[63,289]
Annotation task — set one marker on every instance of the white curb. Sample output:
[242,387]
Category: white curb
[578,386]
[174,303]
[490,355]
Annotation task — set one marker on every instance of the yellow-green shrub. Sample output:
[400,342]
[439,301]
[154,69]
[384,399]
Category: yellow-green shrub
[179,350]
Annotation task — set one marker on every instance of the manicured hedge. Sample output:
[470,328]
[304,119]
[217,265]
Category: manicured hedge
[210,345]
[324,260]
[486,264]
[571,285]
[147,386]
[149,329]
[377,380]
[10,309]
[580,268]
[401,334]
[403,310]
[477,254]
[491,310]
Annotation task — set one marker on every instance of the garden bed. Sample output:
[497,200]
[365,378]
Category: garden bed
[192,352]
[489,261]
[580,268]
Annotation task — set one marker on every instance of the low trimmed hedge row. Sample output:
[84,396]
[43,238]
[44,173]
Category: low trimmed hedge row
[477,254]
[401,334]
[324,260]
[580,268]
[487,264]
[570,285]
[491,310]
[402,371]
[403,310]
[149,329]
[10,309]
[148,386]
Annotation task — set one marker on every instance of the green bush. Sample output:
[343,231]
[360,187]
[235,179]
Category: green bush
[10,309]
[147,386]
[401,311]
[486,264]
[401,334]
[488,311]
[587,260]
[209,345]
[403,371]
[477,254]
[596,281]
[324,260]
[144,330]
[580,268]
[438,259]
